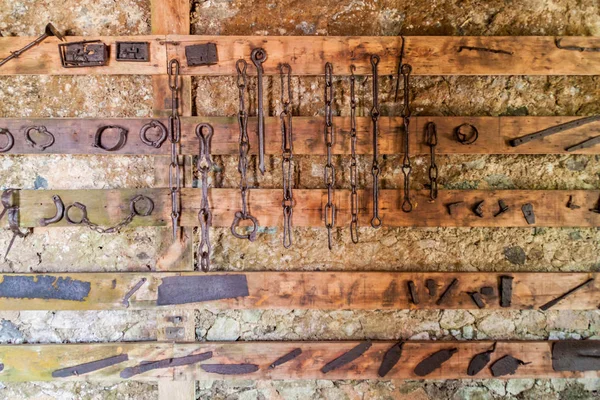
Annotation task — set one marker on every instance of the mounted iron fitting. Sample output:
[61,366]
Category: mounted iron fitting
[557,42]
[528,213]
[596,208]
[204,132]
[466,134]
[42,131]
[153,125]
[503,208]
[133,51]
[376,221]
[453,206]
[13,223]
[258,57]
[91,53]
[122,138]
[60,211]
[478,210]
[10,140]
[554,130]
[49,31]
[201,54]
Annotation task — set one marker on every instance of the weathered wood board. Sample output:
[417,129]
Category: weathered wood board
[38,362]
[288,290]
[76,136]
[108,207]
[428,55]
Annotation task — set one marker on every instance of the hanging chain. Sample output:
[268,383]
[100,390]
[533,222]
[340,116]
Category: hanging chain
[243,215]
[375,221]
[174,137]
[432,140]
[329,172]
[133,212]
[287,167]
[204,132]
[406,167]
[353,162]
[12,212]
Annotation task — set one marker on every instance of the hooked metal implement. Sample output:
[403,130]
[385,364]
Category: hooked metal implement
[49,31]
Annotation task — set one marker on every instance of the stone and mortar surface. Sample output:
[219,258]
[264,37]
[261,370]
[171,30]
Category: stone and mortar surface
[447,249]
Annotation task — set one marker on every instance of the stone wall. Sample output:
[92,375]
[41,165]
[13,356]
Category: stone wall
[434,249]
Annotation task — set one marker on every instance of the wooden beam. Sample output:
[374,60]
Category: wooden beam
[291,290]
[38,362]
[44,59]
[108,207]
[428,55]
[75,136]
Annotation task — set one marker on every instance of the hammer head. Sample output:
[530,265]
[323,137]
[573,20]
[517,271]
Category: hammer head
[52,31]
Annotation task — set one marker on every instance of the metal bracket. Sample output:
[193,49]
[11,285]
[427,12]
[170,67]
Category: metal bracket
[91,53]
[42,131]
[503,208]
[478,210]
[10,140]
[528,213]
[201,54]
[133,51]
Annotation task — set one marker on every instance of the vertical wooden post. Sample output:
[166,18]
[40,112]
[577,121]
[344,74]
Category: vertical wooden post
[173,17]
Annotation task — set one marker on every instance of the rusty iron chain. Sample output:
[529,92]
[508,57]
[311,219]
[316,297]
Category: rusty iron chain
[329,171]
[204,132]
[376,220]
[12,212]
[431,140]
[133,212]
[243,215]
[174,137]
[258,57]
[285,117]
[353,160]
[406,113]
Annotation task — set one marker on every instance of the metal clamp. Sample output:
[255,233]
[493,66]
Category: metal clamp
[468,137]
[239,217]
[81,207]
[154,124]
[138,198]
[120,143]
[42,130]
[11,140]
[60,211]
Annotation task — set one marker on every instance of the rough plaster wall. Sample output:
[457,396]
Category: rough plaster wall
[428,249]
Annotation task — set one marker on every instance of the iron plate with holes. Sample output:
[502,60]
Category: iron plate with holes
[91,53]
[201,54]
[133,51]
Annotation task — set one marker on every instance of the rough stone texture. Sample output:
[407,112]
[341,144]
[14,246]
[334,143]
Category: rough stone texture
[456,249]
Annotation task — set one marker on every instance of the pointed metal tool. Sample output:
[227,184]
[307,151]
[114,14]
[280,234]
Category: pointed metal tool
[49,31]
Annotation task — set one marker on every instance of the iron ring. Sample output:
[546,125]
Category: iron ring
[251,236]
[138,198]
[42,130]
[153,125]
[463,138]
[83,210]
[120,143]
[11,140]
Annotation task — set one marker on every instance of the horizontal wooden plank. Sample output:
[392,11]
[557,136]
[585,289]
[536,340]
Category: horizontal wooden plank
[39,362]
[291,290]
[76,136]
[428,55]
[108,207]
[44,59]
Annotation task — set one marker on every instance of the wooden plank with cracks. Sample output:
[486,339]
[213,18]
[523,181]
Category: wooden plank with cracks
[108,207]
[75,136]
[428,55]
[290,290]
[37,362]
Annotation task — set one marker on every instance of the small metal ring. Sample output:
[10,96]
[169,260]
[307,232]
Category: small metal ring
[120,143]
[138,198]
[376,222]
[463,138]
[239,217]
[154,124]
[80,206]
[11,140]
[375,59]
[258,56]
[41,130]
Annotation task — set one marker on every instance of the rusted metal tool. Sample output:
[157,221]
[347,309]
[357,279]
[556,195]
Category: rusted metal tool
[49,31]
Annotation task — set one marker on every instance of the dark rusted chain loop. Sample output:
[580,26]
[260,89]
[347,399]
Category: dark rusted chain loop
[118,146]
[42,130]
[154,124]
[376,220]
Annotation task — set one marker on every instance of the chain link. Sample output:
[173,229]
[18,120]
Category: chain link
[243,215]
[204,132]
[376,220]
[133,212]
[174,137]
[406,166]
[353,161]
[432,140]
[287,166]
[329,172]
